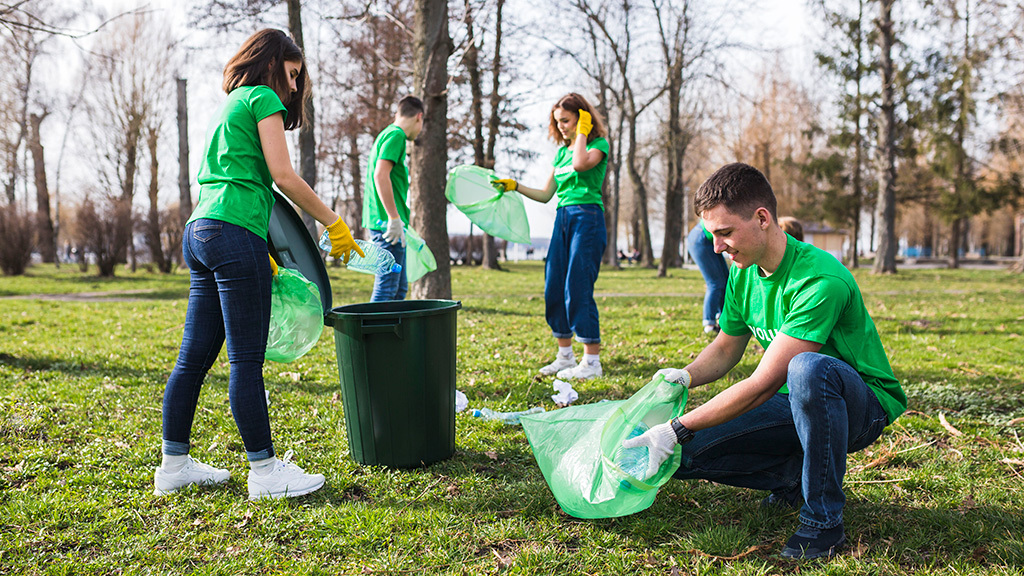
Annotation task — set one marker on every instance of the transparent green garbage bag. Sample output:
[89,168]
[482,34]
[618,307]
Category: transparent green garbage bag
[499,214]
[579,451]
[296,316]
[419,260]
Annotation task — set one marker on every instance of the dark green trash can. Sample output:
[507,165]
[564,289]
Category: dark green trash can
[396,363]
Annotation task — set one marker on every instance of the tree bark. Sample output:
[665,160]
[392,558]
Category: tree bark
[433,46]
[156,249]
[45,240]
[307,135]
[184,183]
[885,257]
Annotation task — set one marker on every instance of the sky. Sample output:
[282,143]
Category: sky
[778,24]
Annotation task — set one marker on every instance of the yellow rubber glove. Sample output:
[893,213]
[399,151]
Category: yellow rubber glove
[342,243]
[505,184]
[273,266]
[585,124]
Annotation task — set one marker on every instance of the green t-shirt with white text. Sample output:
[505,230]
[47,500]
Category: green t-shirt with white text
[574,188]
[812,296]
[389,145]
[234,180]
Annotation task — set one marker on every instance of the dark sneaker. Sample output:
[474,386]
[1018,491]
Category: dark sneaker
[789,499]
[809,543]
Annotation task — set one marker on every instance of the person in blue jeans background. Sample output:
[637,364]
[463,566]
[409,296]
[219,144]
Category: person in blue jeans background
[822,389]
[386,195]
[579,236]
[225,247]
[715,271]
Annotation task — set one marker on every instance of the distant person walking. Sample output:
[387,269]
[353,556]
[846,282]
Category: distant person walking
[579,236]
[715,272]
[225,247]
[386,192]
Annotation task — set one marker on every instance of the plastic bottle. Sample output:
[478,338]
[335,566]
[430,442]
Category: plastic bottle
[633,461]
[506,417]
[377,261]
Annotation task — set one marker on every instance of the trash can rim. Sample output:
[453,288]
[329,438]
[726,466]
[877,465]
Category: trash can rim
[340,312]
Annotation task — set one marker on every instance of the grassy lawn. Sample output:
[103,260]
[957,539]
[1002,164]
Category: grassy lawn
[81,382]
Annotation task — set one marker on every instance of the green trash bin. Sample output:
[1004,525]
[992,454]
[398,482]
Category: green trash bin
[396,363]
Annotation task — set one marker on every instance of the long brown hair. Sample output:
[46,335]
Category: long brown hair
[260,62]
[573,102]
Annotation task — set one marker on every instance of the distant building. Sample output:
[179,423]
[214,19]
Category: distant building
[829,239]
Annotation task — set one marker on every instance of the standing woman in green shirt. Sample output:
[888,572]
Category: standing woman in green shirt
[225,247]
[579,237]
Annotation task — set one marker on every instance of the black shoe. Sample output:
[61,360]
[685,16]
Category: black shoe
[789,499]
[809,543]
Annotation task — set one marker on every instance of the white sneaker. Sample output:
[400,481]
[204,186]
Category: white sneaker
[285,481]
[560,363]
[193,472]
[582,371]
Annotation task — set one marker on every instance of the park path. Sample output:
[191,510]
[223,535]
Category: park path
[122,296]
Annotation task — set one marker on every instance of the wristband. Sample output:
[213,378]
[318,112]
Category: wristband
[683,434]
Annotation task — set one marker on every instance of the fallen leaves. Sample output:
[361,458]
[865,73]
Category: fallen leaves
[948,426]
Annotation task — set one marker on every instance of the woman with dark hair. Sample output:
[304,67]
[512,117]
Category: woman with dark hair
[225,247]
[579,237]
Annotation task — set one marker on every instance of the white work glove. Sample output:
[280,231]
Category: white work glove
[677,375]
[395,234]
[660,441]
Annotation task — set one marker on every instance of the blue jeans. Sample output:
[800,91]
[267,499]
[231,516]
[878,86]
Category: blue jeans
[794,441]
[228,299]
[574,259]
[393,285]
[714,270]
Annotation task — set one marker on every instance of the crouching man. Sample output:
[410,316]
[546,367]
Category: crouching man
[823,388]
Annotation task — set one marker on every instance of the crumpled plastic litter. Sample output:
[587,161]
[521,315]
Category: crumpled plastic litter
[565,394]
[461,402]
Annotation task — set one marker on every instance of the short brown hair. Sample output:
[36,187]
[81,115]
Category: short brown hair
[410,106]
[741,188]
[260,62]
[573,102]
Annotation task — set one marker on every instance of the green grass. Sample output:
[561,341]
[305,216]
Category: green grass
[81,383]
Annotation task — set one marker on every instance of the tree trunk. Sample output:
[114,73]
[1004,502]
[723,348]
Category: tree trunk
[643,240]
[676,151]
[432,48]
[885,258]
[489,252]
[156,249]
[307,135]
[352,211]
[184,183]
[45,240]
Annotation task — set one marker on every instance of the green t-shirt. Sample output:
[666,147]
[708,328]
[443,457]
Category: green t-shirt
[813,297]
[707,234]
[389,145]
[574,188]
[234,180]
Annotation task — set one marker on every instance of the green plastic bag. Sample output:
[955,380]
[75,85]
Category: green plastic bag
[296,316]
[419,260]
[499,214]
[579,450]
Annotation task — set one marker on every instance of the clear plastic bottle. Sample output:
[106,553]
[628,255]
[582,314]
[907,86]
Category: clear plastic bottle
[633,461]
[506,417]
[377,261]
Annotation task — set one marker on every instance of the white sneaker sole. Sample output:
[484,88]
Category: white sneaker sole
[286,493]
[163,492]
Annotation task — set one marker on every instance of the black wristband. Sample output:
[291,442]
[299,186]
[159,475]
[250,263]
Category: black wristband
[683,434]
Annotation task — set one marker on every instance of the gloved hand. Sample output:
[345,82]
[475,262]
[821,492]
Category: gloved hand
[342,243]
[660,441]
[585,124]
[395,234]
[273,265]
[505,184]
[677,375]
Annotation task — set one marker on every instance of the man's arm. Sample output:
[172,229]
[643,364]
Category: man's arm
[382,182]
[749,393]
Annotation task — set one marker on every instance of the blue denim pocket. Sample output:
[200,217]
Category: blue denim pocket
[206,232]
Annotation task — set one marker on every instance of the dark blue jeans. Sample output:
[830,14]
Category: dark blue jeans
[574,259]
[796,440]
[714,270]
[228,299]
[393,285]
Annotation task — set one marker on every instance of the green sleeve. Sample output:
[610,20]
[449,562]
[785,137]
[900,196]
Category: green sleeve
[264,103]
[599,144]
[392,146]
